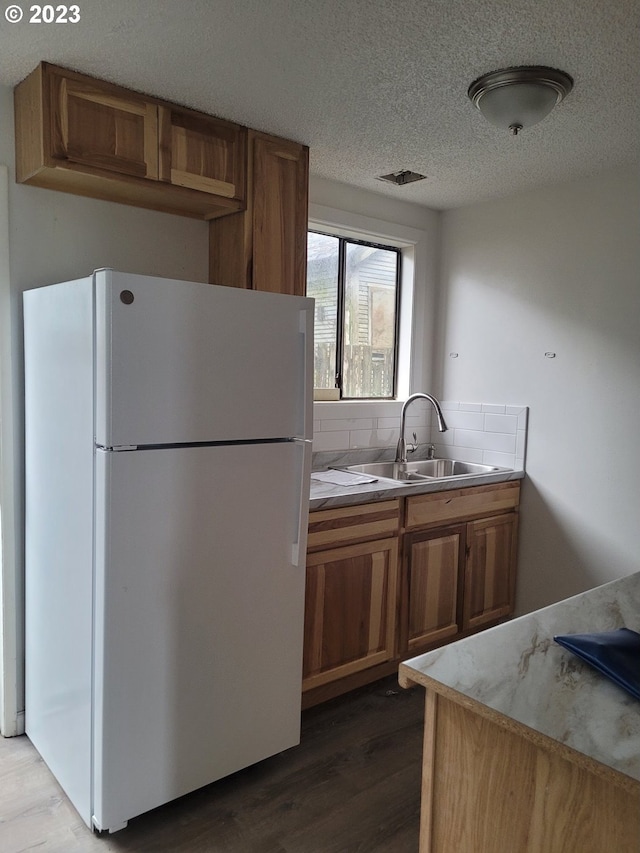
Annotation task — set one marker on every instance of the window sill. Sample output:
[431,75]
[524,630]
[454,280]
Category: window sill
[356,408]
[325,394]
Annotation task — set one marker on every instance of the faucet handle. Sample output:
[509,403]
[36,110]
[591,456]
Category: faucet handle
[411,448]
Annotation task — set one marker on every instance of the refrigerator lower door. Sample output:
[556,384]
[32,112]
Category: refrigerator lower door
[199,616]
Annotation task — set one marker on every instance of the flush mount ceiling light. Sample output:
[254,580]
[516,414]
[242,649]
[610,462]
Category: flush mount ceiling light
[515,98]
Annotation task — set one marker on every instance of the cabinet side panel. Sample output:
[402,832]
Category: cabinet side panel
[493,790]
[29,112]
[58,531]
[230,250]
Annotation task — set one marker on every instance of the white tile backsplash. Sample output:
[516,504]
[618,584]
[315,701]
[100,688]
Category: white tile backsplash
[349,424]
[492,433]
[501,423]
[330,440]
[484,440]
[373,437]
[390,423]
[354,424]
[464,420]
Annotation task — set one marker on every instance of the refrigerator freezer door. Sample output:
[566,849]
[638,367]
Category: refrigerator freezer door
[199,619]
[179,362]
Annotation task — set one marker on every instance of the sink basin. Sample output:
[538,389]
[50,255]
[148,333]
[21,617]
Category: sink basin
[424,469]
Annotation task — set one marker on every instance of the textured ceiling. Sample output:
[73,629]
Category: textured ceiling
[372,86]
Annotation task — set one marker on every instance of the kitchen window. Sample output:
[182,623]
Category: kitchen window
[356,285]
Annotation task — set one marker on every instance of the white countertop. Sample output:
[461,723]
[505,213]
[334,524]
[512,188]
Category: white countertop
[327,495]
[518,670]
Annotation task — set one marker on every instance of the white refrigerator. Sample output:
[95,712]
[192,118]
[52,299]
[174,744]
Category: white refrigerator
[167,433]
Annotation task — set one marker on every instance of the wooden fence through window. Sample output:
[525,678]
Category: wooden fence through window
[368,371]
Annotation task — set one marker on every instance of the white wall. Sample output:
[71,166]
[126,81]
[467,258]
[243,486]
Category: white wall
[556,271]
[368,204]
[54,236]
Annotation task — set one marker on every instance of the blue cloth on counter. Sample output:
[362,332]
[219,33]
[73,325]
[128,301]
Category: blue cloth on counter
[616,654]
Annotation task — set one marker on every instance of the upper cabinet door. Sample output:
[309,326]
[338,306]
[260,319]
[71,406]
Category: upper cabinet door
[202,153]
[265,246]
[280,215]
[95,125]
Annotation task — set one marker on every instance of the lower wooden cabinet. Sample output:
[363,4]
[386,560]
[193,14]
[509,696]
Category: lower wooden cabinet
[459,579]
[489,584]
[435,566]
[387,581]
[350,621]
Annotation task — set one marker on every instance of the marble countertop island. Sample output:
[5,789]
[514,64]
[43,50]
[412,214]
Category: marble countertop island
[517,670]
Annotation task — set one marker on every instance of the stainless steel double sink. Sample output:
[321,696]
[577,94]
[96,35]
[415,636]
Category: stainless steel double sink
[423,470]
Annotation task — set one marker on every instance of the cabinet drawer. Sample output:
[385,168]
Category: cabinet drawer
[331,527]
[461,504]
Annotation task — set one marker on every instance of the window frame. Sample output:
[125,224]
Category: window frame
[344,240]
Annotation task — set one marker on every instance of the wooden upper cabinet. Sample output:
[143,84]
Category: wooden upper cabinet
[265,247]
[93,126]
[280,214]
[202,153]
[90,137]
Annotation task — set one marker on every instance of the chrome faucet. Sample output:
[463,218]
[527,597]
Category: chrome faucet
[401,450]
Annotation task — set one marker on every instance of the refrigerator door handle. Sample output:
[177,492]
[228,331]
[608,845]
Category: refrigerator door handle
[306,360]
[299,546]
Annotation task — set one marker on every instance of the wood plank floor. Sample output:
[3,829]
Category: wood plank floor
[352,786]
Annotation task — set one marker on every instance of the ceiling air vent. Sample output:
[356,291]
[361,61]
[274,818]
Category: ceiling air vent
[404,176]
